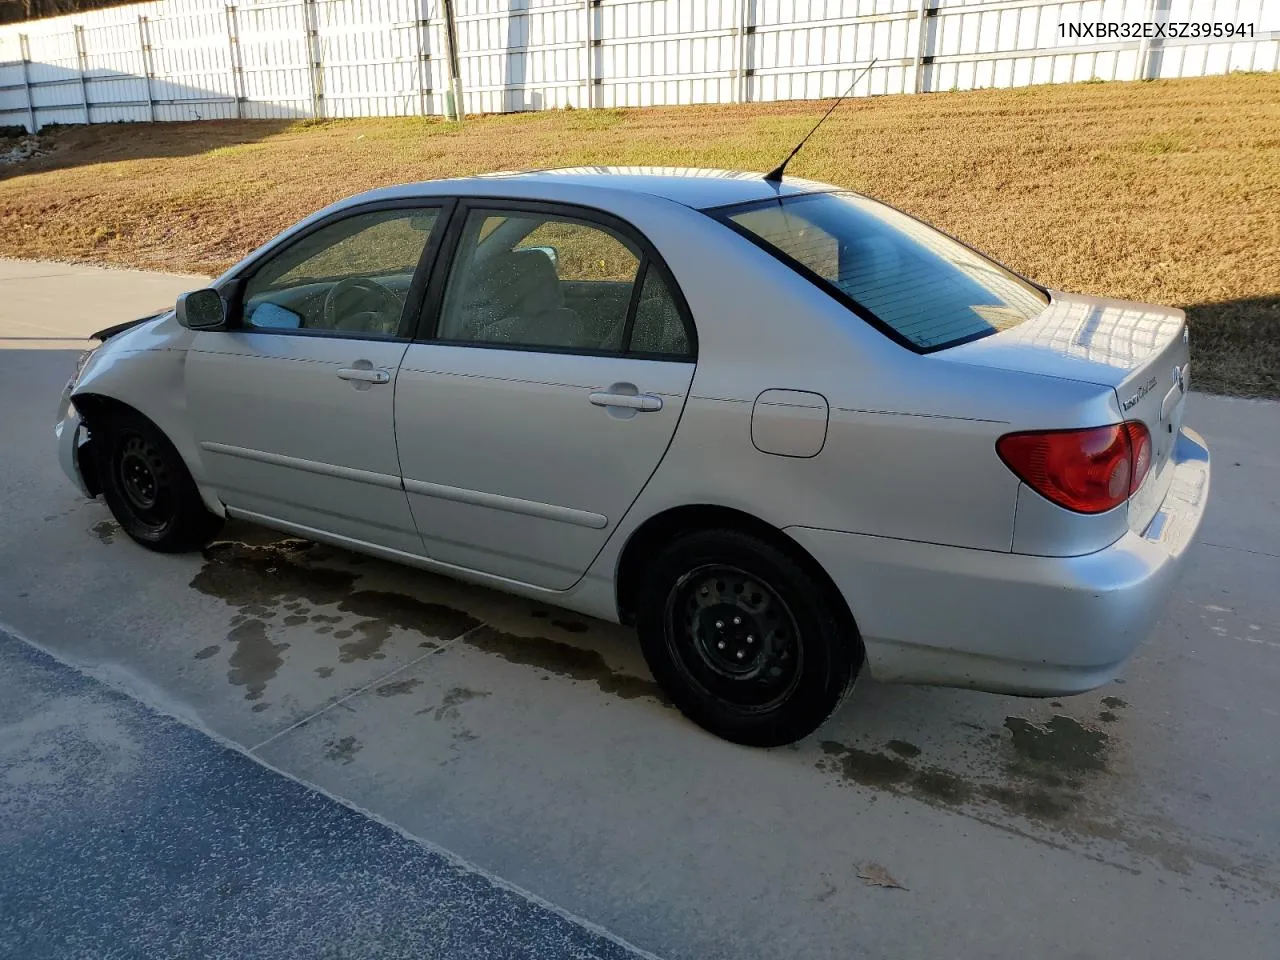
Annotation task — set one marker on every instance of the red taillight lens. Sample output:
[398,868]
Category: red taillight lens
[1088,471]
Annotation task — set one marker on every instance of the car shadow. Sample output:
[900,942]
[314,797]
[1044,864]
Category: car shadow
[1235,346]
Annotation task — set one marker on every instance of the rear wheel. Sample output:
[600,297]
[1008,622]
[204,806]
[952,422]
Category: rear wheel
[743,640]
[147,486]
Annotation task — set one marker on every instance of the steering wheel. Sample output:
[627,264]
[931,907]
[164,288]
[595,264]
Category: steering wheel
[362,304]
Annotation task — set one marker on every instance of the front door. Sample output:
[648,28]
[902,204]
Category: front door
[557,367]
[294,406]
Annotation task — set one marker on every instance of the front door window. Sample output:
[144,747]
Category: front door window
[350,277]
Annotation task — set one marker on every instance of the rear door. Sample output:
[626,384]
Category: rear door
[554,367]
[293,408]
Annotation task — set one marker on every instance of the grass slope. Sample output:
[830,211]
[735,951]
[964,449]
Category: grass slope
[1165,191]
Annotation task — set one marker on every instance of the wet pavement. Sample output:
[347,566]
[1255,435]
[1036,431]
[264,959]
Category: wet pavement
[1133,821]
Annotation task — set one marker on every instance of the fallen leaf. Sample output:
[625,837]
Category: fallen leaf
[874,875]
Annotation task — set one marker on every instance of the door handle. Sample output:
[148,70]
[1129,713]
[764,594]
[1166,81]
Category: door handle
[365,374]
[641,402]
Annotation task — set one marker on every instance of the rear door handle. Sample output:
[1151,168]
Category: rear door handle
[642,402]
[365,374]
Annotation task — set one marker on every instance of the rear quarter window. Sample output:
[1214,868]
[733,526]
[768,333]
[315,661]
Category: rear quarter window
[915,283]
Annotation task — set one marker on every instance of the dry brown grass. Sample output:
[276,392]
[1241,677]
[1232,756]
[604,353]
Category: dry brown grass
[1166,191]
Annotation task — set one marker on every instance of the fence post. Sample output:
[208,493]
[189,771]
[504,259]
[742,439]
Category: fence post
[454,109]
[924,12]
[588,93]
[83,62]
[24,47]
[424,66]
[144,41]
[311,19]
[1144,45]
[745,31]
[234,65]
[1151,51]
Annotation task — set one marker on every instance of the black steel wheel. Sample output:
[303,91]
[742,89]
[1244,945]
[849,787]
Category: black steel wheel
[744,639]
[733,636]
[143,477]
[146,484]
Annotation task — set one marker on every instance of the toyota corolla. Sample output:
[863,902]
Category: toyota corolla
[789,432]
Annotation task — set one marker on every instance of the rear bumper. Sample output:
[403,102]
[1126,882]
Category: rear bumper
[1008,622]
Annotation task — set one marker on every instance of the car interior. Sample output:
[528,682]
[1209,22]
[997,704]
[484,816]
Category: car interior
[370,305]
[511,292]
[504,292]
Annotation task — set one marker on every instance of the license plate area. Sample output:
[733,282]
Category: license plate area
[1171,412]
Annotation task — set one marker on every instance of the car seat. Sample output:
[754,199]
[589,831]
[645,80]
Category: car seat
[515,297]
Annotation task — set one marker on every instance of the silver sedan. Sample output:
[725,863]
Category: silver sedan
[787,431]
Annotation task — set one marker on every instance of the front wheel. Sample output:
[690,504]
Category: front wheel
[743,640]
[147,486]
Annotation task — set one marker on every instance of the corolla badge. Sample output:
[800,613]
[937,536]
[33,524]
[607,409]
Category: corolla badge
[1133,401]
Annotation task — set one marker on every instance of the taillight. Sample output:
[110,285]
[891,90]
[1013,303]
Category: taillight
[1088,471]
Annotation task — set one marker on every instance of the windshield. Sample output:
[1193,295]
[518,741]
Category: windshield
[913,282]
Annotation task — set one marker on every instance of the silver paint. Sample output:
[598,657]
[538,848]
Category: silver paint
[515,472]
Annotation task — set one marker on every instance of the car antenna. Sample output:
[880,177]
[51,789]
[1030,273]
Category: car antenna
[775,175]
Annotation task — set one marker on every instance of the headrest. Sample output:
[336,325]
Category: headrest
[519,282]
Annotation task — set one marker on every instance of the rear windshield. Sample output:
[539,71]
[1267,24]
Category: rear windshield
[918,285]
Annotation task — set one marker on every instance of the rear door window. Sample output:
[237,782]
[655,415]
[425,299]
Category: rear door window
[918,285]
[527,279]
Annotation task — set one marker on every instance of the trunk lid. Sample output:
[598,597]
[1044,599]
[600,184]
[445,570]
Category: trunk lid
[1137,350]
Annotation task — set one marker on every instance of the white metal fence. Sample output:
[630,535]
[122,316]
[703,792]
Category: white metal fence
[206,59]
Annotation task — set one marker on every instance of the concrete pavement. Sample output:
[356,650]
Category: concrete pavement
[1134,821]
[51,305]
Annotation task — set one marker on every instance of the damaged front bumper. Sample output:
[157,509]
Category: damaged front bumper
[73,445]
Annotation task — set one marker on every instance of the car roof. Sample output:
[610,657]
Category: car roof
[693,187]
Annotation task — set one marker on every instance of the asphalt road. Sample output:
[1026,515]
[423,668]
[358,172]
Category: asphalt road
[1136,821]
[127,833]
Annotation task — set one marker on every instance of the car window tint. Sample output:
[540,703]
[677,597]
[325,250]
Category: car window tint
[658,327]
[535,280]
[489,225]
[351,276]
[583,252]
[802,241]
[931,290]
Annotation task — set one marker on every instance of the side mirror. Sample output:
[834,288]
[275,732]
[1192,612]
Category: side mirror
[551,253]
[202,310]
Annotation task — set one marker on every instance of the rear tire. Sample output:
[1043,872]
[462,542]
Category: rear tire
[147,485]
[745,642]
